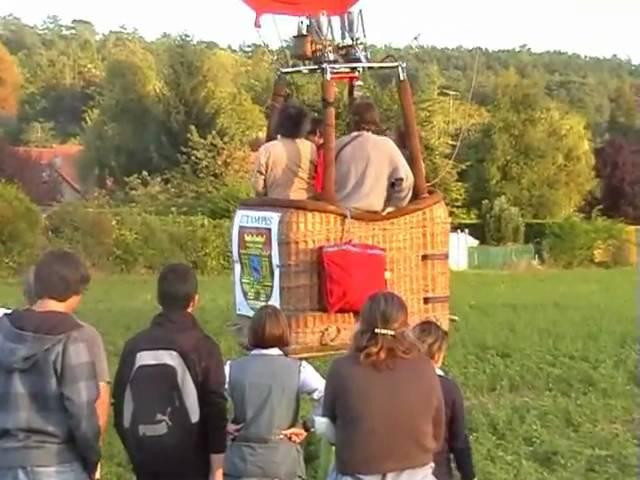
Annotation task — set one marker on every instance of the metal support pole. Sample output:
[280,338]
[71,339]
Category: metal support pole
[277,101]
[412,137]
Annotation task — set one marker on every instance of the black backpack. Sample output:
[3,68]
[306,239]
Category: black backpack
[161,412]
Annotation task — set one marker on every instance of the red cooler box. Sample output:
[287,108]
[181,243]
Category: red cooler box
[351,272]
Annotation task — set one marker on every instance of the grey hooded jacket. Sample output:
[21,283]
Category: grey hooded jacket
[48,390]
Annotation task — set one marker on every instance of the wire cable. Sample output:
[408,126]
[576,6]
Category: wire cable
[465,125]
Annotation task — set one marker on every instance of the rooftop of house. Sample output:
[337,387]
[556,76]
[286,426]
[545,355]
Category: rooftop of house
[63,158]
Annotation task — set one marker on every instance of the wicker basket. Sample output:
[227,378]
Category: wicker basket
[416,240]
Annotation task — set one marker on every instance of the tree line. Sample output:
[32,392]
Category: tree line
[550,132]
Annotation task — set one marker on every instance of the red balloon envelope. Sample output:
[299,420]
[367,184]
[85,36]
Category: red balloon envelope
[300,8]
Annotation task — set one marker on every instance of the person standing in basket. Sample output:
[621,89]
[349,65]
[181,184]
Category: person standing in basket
[433,341]
[384,399]
[48,421]
[265,388]
[286,167]
[169,399]
[371,173]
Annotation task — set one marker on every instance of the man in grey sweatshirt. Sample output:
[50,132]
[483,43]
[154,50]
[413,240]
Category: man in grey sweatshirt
[48,386]
[371,173]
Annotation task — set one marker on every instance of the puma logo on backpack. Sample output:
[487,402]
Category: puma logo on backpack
[161,407]
[156,429]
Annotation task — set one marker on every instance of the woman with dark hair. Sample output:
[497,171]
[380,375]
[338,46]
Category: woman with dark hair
[286,167]
[384,399]
[371,172]
[265,388]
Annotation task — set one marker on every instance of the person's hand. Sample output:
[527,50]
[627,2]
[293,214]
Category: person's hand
[233,430]
[216,471]
[294,435]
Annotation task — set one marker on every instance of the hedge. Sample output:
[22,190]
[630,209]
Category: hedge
[20,228]
[575,242]
[535,231]
[133,240]
[122,240]
[128,240]
[572,242]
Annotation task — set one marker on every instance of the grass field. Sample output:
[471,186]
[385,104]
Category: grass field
[547,362]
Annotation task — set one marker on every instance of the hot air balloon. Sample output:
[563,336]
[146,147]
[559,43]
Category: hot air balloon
[278,244]
[300,8]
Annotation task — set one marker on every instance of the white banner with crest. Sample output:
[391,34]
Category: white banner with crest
[256,260]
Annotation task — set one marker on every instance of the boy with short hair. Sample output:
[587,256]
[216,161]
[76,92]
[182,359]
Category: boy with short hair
[95,345]
[433,341]
[169,390]
[48,421]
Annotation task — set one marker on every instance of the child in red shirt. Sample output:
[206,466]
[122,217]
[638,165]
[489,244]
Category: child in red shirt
[316,136]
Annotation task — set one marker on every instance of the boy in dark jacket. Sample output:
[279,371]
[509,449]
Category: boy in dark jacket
[169,390]
[48,386]
[433,341]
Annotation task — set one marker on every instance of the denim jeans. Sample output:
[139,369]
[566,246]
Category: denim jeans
[69,471]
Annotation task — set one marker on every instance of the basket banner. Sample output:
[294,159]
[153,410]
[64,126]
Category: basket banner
[256,262]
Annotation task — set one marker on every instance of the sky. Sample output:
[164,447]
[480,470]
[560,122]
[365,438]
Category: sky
[588,27]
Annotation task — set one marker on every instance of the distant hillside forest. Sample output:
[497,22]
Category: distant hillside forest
[552,132]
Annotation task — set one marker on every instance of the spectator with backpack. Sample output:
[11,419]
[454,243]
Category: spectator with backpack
[48,420]
[169,390]
[433,340]
[265,388]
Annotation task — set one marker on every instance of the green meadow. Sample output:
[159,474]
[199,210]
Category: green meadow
[546,360]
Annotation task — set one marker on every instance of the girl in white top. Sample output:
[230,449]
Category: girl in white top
[265,388]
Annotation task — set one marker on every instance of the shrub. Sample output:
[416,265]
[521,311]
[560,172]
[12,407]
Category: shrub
[146,242]
[224,202]
[20,228]
[142,243]
[88,232]
[503,223]
[124,240]
[185,195]
[205,243]
[576,242]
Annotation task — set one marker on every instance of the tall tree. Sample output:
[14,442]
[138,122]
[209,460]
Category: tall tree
[446,122]
[184,107]
[625,117]
[236,118]
[62,71]
[124,133]
[618,168]
[10,81]
[536,153]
